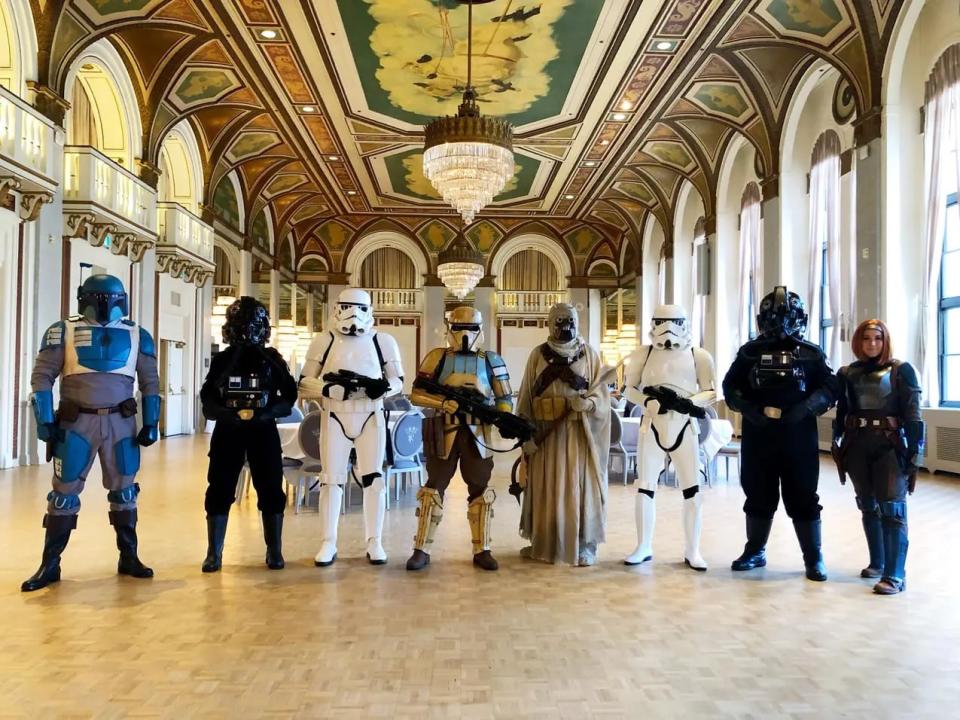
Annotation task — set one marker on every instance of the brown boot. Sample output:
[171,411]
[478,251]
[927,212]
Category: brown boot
[485,560]
[418,561]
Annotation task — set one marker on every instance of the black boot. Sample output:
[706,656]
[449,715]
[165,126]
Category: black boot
[272,532]
[216,532]
[754,552]
[57,535]
[895,544]
[873,531]
[808,533]
[125,524]
[418,561]
[485,560]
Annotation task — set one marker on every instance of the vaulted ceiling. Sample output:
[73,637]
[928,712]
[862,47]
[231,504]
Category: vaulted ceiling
[319,104]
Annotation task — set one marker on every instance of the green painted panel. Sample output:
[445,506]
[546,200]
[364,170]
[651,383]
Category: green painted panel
[411,55]
[225,203]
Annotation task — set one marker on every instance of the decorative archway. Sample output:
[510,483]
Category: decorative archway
[18,46]
[181,165]
[532,241]
[386,238]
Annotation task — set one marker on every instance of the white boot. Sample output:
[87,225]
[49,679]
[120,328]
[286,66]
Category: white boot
[646,511]
[329,505]
[692,521]
[374,508]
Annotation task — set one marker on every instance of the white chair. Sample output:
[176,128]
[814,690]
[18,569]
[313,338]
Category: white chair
[407,442]
[308,438]
[245,480]
[617,447]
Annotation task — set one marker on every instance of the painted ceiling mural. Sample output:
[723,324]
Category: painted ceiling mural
[316,107]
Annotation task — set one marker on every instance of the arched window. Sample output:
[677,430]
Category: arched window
[750,261]
[388,268]
[940,291]
[823,287]
[530,270]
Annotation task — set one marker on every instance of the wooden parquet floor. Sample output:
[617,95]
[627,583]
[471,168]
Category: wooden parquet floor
[531,641]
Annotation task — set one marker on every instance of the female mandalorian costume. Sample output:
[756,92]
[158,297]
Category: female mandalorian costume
[878,436]
[247,388]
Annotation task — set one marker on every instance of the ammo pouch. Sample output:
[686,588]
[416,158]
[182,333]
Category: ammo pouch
[548,409]
[434,436]
[68,411]
[128,408]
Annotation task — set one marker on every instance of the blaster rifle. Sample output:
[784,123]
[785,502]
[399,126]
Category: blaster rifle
[351,381]
[670,400]
[472,402]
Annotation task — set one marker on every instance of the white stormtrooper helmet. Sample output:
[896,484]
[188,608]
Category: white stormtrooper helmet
[464,329]
[353,313]
[669,329]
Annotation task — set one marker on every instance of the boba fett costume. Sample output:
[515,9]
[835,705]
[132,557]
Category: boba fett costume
[97,355]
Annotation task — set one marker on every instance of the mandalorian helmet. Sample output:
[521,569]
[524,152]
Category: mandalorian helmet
[669,329]
[102,299]
[781,315]
[563,323]
[247,322]
[353,313]
[464,329]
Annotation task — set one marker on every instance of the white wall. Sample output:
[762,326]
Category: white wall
[516,344]
[9,247]
[406,337]
[689,210]
[177,321]
[103,261]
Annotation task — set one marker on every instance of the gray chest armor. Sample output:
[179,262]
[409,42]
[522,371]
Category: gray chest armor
[871,389]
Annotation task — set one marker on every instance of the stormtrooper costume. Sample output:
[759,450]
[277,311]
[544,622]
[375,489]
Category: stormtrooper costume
[670,362]
[352,416]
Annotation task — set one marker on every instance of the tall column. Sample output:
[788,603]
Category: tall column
[274,298]
[246,273]
[485,300]
[144,292]
[293,302]
[669,281]
[434,329]
[711,311]
[311,309]
[869,217]
[770,221]
[592,329]
[579,295]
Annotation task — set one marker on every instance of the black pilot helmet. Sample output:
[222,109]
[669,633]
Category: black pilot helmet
[781,315]
[247,322]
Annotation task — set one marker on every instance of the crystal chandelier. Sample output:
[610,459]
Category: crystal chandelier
[460,267]
[468,158]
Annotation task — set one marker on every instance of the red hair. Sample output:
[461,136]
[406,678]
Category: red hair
[857,342]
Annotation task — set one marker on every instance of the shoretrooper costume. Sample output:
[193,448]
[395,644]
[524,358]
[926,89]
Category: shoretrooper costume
[453,437]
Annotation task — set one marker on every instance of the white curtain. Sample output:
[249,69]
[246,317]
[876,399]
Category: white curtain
[388,267]
[825,230]
[697,313]
[941,129]
[530,270]
[662,279]
[750,259]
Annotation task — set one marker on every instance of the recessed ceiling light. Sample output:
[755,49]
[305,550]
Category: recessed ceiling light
[590,163]
[351,192]
[569,197]
[308,108]
[626,105]
[664,45]
[604,142]
[268,34]
[333,158]
[619,117]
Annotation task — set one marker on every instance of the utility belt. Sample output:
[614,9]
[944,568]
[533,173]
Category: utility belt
[358,405]
[860,422]
[69,411]
[550,409]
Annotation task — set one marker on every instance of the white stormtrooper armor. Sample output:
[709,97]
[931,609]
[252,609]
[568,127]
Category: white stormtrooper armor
[352,416]
[672,363]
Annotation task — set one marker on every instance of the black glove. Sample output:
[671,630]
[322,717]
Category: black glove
[376,387]
[148,435]
[506,433]
[796,413]
[755,416]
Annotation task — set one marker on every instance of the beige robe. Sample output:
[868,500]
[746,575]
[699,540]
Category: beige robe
[564,501]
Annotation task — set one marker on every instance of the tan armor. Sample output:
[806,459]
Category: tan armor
[480,515]
[429,514]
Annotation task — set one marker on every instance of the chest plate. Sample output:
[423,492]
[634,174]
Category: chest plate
[676,369]
[778,370]
[871,389]
[95,348]
[353,353]
[466,370]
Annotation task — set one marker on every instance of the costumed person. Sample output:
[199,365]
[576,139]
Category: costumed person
[97,355]
[563,511]
[671,381]
[248,387]
[878,438]
[350,369]
[780,383]
[469,390]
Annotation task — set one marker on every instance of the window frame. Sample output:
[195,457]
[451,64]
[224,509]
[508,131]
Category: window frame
[826,324]
[945,304]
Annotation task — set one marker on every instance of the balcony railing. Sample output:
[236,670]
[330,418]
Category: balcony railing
[524,302]
[180,229]
[397,300]
[26,143]
[94,183]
